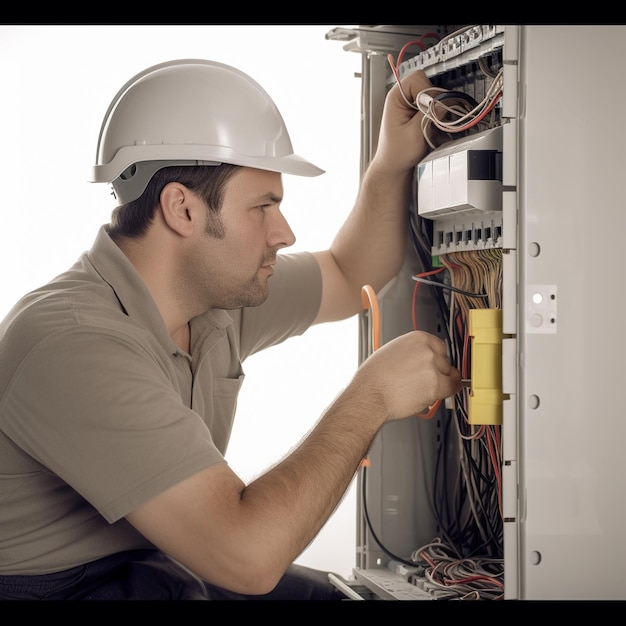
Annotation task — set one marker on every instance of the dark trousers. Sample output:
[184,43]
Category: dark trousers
[151,575]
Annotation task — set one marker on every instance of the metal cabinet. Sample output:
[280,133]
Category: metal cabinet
[514,487]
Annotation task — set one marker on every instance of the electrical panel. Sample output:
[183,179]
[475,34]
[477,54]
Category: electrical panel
[512,489]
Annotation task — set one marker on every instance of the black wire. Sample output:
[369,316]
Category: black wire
[369,522]
[441,501]
[419,224]
[435,283]
[459,95]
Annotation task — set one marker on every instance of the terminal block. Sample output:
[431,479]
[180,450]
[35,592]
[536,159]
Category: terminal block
[486,397]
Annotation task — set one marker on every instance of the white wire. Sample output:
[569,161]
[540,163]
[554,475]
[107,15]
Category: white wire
[432,109]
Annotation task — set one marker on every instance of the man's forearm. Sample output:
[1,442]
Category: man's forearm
[300,493]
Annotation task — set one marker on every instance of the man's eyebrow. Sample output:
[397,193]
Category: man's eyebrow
[270,197]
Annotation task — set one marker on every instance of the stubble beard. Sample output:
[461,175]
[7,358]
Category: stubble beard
[255,293]
[250,294]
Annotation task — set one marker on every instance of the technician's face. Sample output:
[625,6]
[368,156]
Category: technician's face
[237,267]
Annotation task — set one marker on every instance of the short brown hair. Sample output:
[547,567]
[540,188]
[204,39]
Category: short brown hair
[207,181]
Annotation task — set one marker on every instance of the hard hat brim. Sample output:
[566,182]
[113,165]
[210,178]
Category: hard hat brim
[129,155]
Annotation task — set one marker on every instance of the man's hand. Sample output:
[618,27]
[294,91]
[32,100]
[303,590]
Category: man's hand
[401,143]
[408,374]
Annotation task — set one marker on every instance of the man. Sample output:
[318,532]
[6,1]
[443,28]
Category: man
[119,378]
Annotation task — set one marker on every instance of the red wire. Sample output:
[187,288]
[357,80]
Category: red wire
[433,408]
[430,35]
[414,304]
[494,453]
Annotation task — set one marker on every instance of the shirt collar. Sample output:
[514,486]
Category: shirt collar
[134,296]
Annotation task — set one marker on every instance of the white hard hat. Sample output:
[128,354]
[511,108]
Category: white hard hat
[191,112]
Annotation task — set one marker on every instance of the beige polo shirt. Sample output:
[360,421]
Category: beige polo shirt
[100,410]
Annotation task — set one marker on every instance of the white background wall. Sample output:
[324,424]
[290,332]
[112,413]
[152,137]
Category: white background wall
[57,82]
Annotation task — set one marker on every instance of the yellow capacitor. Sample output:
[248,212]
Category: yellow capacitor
[485,398]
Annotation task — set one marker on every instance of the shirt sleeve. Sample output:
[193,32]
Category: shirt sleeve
[291,307]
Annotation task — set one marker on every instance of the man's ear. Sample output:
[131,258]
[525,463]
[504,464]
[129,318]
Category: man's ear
[176,207]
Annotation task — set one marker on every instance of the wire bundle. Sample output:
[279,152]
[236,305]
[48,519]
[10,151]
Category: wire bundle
[467,492]
[466,560]
[451,111]
[455,111]
[445,575]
